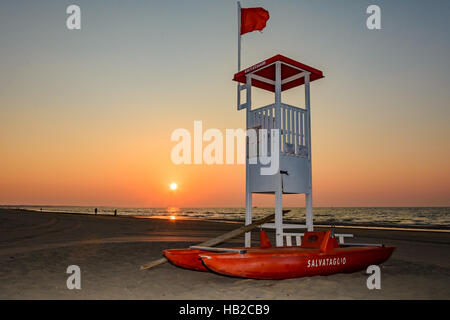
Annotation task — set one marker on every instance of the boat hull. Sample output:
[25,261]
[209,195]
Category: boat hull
[284,263]
[186,258]
[190,258]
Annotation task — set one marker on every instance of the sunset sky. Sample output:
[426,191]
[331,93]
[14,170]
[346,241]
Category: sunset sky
[86,115]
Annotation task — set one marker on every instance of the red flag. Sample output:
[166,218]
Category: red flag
[253,19]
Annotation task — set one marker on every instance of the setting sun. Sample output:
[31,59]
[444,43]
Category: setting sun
[173,186]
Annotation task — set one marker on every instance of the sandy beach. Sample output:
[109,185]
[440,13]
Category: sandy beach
[37,247]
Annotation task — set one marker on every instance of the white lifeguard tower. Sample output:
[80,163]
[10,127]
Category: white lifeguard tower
[278,74]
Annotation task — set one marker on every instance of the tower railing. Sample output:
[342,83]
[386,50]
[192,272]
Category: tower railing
[293,127]
[263,117]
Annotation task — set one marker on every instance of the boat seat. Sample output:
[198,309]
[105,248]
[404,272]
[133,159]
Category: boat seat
[319,240]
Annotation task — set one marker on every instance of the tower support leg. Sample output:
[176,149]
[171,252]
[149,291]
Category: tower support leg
[309,211]
[279,217]
[308,197]
[248,216]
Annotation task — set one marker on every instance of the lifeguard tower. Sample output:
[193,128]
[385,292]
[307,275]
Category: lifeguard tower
[276,75]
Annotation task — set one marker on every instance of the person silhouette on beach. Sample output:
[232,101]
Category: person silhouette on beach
[96,211]
[115,212]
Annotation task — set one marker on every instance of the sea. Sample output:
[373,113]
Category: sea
[402,217]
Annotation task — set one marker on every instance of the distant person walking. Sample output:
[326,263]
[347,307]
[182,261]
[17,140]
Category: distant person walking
[96,211]
[115,212]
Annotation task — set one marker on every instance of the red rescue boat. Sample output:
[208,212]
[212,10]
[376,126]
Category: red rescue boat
[319,254]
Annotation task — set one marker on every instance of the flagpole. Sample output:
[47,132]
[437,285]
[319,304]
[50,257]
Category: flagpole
[248,194]
[239,35]
[239,50]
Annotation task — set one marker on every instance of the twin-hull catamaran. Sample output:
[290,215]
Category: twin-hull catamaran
[318,254]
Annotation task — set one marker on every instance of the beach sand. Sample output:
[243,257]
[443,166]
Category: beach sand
[36,249]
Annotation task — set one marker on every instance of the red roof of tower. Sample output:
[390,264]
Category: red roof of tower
[290,71]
